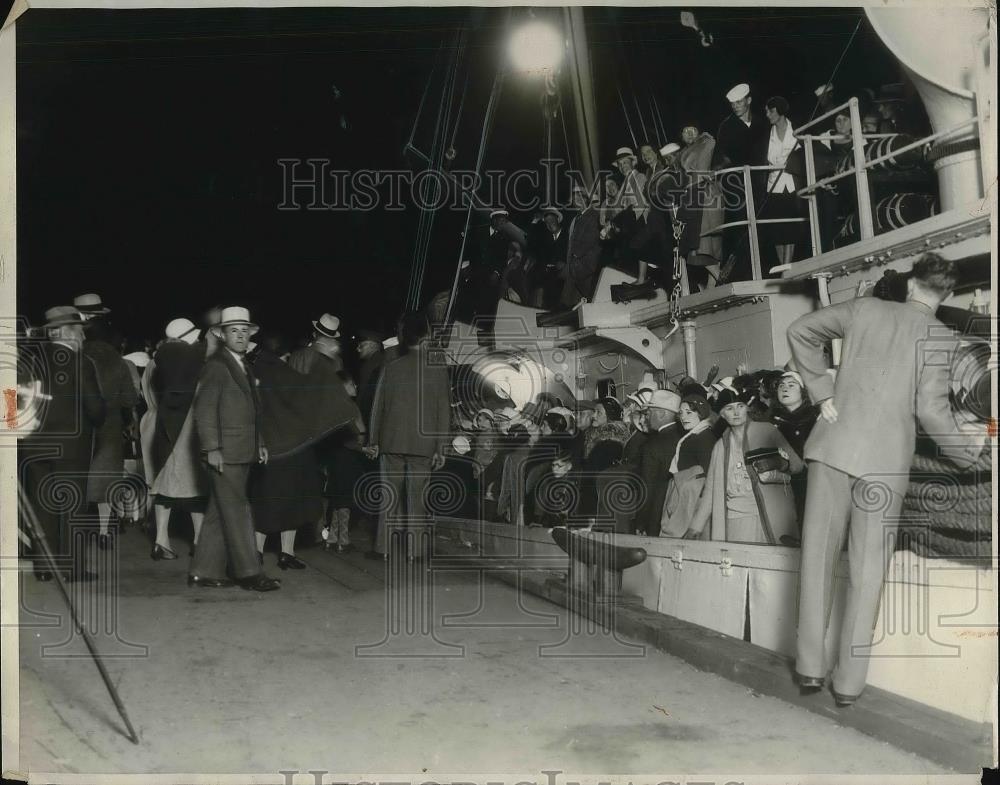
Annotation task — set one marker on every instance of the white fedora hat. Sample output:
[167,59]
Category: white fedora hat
[664,399]
[182,329]
[738,93]
[669,149]
[625,152]
[235,314]
[328,325]
[90,305]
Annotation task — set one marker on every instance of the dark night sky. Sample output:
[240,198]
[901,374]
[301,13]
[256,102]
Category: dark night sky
[148,140]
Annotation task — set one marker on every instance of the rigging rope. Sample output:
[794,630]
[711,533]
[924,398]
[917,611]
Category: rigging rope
[480,156]
[438,147]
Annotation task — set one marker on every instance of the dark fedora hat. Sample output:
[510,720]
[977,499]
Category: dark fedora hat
[890,94]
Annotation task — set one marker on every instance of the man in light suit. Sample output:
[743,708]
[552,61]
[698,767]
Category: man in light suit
[860,451]
[227,416]
[409,429]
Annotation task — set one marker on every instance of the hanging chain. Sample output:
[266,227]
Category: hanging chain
[678,291]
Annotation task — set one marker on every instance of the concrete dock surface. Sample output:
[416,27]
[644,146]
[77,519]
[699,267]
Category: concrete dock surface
[316,676]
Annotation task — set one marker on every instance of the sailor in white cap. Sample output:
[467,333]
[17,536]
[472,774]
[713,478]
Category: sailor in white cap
[741,141]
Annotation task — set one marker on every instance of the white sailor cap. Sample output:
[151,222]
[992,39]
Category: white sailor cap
[500,211]
[738,93]
[669,149]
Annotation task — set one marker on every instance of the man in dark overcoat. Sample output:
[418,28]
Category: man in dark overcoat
[409,430]
[56,456]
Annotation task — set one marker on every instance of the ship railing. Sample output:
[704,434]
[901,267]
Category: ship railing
[860,165]
[752,222]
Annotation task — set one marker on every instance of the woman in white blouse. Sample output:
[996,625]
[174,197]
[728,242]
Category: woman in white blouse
[780,200]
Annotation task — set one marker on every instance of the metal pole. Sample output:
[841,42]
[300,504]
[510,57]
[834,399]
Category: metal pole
[861,174]
[752,224]
[39,541]
[583,92]
[824,299]
[690,358]
[813,199]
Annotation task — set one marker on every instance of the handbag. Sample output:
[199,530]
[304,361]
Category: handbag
[769,466]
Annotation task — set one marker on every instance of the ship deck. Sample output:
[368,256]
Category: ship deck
[227,681]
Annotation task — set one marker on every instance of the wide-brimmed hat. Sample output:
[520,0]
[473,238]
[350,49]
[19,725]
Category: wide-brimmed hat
[669,149]
[625,152]
[890,94]
[664,399]
[235,314]
[328,325]
[62,315]
[498,211]
[90,305]
[738,92]
[182,329]
[488,413]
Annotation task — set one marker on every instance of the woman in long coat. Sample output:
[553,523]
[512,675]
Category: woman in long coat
[689,466]
[742,506]
[171,457]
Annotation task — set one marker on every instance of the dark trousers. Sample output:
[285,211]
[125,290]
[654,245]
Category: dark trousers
[57,490]
[403,479]
[227,534]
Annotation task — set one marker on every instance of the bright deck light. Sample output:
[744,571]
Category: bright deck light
[536,48]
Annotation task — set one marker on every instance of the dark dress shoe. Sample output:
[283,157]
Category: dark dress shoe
[287,561]
[208,583]
[843,701]
[259,583]
[159,553]
[84,576]
[809,685]
[43,576]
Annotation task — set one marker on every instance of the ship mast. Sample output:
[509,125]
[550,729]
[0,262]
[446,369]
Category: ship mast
[583,92]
